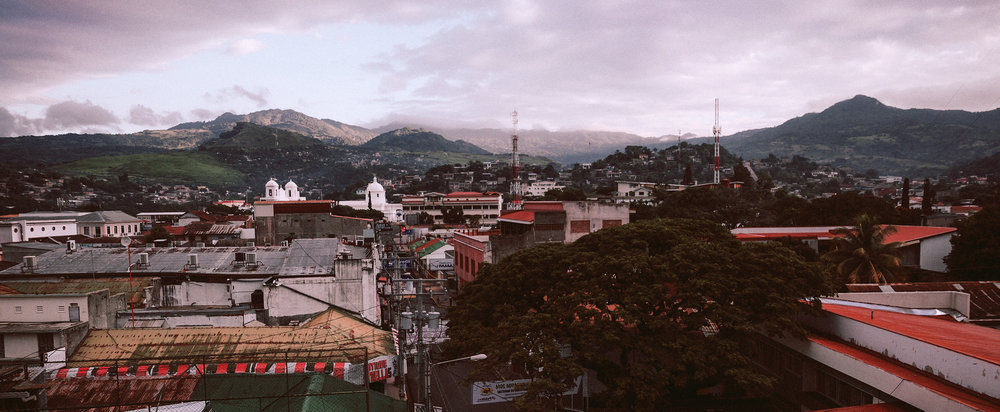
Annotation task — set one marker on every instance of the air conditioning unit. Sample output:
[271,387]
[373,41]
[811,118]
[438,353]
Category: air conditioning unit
[250,244]
[70,246]
[193,261]
[30,262]
[142,259]
[251,258]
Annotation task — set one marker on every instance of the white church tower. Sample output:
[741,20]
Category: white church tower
[274,192]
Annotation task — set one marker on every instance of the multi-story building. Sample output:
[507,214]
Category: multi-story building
[538,189]
[484,206]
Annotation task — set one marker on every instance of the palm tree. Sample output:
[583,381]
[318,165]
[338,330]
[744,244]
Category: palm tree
[861,254]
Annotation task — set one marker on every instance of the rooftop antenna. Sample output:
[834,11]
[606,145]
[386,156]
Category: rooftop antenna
[716,130]
[515,183]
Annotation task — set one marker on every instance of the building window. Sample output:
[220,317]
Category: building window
[53,228]
[17,309]
[15,230]
[64,228]
[39,309]
[43,228]
[579,226]
[61,309]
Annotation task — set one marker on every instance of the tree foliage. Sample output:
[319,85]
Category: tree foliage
[975,248]
[632,303]
[862,255]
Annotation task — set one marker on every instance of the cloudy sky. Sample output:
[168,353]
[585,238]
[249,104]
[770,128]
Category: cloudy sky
[646,67]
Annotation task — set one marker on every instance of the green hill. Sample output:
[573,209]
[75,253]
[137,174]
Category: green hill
[420,140]
[177,167]
[36,151]
[862,133]
[252,138]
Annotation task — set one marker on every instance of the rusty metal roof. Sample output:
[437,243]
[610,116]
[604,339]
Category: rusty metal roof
[106,394]
[332,341]
[71,286]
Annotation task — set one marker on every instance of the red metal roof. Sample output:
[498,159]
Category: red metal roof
[780,235]
[959,394]
[521,216]
[543,205]
[972,340]
[910,233]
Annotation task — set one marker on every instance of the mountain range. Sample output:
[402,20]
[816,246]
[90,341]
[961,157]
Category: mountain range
[860,133]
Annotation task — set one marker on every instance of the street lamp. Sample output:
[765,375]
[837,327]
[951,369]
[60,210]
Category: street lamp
[474,358]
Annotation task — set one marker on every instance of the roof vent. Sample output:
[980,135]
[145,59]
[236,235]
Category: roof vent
[192,262]
[30,263]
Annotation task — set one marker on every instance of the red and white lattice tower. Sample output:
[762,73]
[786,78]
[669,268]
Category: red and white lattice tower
[716,130]
[515,181]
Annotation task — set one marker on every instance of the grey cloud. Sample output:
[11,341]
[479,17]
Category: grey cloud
[235,92]
[17,125]
[70,114]
[144,116]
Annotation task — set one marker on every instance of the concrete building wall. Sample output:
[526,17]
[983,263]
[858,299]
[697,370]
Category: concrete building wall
[933,250]
[599,215]
[353,288]
[197,293]
[958,301]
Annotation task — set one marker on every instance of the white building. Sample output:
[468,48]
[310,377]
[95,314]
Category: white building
[538,189]
[484,206]
[629,192]
[375,200]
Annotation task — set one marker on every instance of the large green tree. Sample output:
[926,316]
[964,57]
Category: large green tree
[975,248]
[658,309]
[861,253]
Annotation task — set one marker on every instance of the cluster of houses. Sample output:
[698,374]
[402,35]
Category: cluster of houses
[297,303]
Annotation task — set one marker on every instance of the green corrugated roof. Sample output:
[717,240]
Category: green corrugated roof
[296,392]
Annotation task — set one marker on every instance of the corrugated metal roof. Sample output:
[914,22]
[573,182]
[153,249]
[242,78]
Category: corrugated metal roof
[328,341]
[315,254]
[104,394]
[115,216]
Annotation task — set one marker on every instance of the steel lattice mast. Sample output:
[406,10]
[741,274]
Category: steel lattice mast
[515,182]
[716,130]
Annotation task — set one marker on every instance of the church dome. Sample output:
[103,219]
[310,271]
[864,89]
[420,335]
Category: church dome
[375,186]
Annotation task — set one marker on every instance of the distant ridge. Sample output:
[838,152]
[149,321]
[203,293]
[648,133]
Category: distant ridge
[420,140]
[862,133]
[329,131]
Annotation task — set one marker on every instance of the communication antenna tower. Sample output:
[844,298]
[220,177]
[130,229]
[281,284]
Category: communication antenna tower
[716,130]
[515,182]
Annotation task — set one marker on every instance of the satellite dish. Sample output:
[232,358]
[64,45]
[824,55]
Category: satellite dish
[126,241]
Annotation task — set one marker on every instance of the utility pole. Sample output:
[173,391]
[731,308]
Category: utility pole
[423,315]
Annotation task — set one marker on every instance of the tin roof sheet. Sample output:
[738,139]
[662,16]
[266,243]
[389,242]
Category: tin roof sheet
[71,286]
[328,342]
[315,254]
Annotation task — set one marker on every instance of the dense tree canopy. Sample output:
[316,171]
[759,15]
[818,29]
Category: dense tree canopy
[639,305]
[975,250]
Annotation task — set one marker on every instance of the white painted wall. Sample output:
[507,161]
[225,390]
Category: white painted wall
[197,293]
[53,308]
[933,250]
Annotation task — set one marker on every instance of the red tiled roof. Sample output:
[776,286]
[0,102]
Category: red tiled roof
[175,230]
[961,395]
[972,340]
[520,216]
